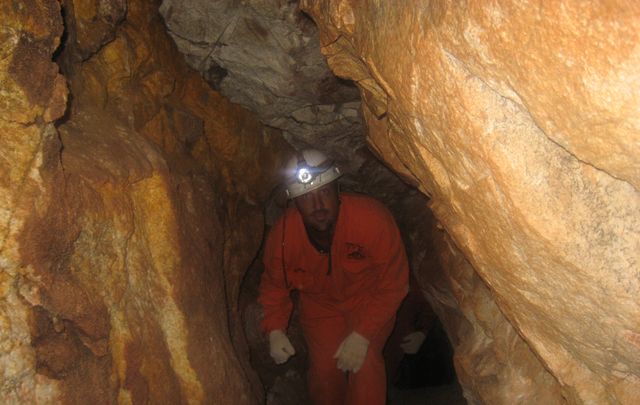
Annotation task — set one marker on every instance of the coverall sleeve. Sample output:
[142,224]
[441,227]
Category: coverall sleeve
[382,302]
[274,295]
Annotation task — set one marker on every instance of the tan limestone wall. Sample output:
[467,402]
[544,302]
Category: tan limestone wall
[519,119]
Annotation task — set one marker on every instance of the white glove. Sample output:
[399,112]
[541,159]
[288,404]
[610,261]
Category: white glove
[412,342]
[280,348]
[351,352]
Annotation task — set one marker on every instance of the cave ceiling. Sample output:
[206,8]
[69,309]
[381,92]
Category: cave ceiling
[265,55]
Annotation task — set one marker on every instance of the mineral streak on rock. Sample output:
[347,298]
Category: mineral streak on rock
[519,119]
[126,228]
[32,94]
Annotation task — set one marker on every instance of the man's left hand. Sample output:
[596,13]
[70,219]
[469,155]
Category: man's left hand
[412,342]
[352,352]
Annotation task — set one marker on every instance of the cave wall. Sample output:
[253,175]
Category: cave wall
[519,120]
[494,365]
[131,192]
[33,96]
[265,55]
[131,206]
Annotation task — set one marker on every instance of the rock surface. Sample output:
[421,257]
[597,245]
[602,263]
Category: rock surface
[91,24]
[520,121]
[265,55]
[493,363]
[127,229]
[284,384]
[32,95]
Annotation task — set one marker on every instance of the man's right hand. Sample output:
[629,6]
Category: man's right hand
[280,347]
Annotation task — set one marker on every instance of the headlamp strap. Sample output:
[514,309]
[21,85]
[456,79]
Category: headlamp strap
[302,162]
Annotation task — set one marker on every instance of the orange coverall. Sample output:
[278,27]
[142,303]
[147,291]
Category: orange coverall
[360,291]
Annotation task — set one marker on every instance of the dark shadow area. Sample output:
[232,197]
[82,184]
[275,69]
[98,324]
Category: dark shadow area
[431,366]
[427,376]
[418,355]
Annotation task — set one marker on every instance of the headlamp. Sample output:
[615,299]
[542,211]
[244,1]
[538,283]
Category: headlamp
[309,170]
[304,175]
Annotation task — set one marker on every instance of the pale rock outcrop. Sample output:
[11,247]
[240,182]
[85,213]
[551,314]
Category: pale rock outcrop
[265,55]
[519,120]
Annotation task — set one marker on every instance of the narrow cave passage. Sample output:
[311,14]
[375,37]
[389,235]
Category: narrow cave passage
[141,153]
[427,376]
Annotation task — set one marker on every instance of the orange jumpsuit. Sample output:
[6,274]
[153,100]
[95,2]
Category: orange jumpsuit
[360,291]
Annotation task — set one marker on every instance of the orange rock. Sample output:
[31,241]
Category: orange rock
[125,233]
[30,84]
[487,105]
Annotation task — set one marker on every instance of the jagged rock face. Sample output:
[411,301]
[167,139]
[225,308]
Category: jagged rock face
[493,363]
[520,121]
[91,24]
[265,55]
[126,229]
[33,95]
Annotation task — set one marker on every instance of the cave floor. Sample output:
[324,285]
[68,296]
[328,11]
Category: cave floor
[442,395]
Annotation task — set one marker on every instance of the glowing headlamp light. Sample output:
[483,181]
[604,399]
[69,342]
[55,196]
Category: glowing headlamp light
[304,175]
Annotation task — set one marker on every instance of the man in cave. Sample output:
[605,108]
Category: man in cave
[344,254]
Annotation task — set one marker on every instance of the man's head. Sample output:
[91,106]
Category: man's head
[311,183]
[319,207]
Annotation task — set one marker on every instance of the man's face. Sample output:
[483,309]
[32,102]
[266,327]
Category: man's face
[319,208]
